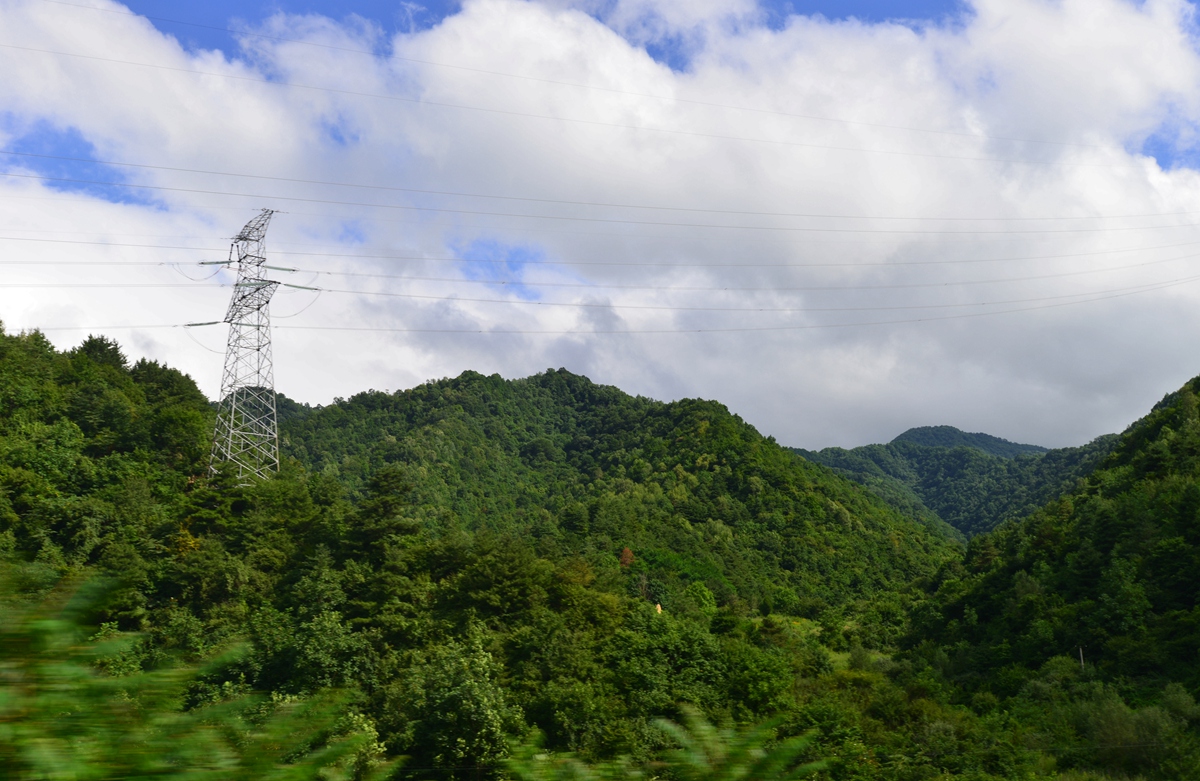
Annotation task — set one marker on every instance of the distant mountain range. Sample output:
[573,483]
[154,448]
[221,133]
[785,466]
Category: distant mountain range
[949,436]
[1099,584]
[972,482]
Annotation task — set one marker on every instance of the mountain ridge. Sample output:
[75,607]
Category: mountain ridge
[964,486]
[581,438]
[1106,570]
[949,436]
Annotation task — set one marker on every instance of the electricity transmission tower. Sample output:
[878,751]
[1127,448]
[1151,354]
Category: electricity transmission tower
[247,434]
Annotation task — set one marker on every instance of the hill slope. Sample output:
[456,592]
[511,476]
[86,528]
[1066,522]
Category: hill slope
[963,485]
[1110,567]
[476,558]
[692,490]
[1082,621]
[949,436]
[473,559]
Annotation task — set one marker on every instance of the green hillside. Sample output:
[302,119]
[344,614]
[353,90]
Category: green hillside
[491,579]
[469,560]
[961,483]
[1085,616]
[692,490]
[949,436]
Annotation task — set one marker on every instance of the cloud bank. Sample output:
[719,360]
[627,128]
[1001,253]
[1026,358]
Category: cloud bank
[839,229]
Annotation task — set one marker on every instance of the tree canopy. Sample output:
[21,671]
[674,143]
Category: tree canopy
[483,578]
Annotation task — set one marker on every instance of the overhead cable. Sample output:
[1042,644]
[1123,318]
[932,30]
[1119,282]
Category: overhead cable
[600,204]
[590,304]
[640,332]
[534,262]
[612,221]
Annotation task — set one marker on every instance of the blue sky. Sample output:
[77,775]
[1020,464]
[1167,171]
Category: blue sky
[203,25]
[500,261]
[672,248]
[395,15]
[47,150]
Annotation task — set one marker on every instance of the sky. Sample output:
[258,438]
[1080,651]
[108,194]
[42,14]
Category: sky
[203,24]
[841,220]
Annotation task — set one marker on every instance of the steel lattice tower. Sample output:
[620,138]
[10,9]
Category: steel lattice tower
[247,434]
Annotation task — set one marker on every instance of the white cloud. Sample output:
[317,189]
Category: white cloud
[1075,84]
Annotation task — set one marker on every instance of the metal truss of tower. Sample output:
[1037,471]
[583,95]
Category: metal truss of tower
[247,434]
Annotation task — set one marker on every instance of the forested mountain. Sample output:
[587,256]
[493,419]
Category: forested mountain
[474,558]
[949,436]
[1092,603]
[972,482]
[694,492]
[477,573]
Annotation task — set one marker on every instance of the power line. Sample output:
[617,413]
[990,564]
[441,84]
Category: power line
[641,332]
[57,232]
[669,98]
[376,219]
[534,262]
[568,202]
[110,285]
[23,196]
[572,120]
[604,286]
[609,305]
[605,220]
[655,307]
[81,242]
[87,263]
[773,288]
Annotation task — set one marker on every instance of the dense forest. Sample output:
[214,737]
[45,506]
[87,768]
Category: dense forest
[548,578]
[972,482]
[949,436]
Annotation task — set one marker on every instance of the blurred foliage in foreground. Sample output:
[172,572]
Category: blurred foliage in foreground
[475,560]
[63,717]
